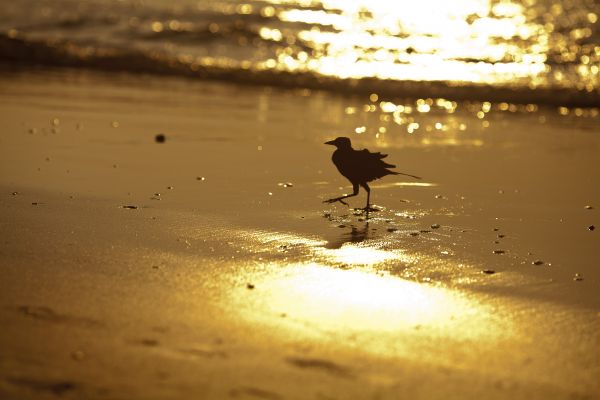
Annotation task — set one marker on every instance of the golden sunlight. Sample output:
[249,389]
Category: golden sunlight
[430,40]
[363,300]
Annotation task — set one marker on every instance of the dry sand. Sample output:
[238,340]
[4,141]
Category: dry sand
[234,286]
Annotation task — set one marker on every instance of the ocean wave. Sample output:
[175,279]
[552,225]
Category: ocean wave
[20,52]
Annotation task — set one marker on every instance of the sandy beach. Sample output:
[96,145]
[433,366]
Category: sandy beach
[208,267]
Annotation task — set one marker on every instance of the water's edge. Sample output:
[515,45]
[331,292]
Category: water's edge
[21,53]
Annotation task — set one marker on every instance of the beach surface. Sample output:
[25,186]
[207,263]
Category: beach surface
[208,266]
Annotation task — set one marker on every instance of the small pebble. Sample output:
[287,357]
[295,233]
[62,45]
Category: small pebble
[591,227]
[200,178]
[392,229]
[488,271]
[501,236]
[499,251]
[341,226]
[78,355]
[589,207]
[537,262]
[130,207]
[414,234]
[170,187]
[435,226]
[15,193]
[249,286]
[578,277]
[160,138]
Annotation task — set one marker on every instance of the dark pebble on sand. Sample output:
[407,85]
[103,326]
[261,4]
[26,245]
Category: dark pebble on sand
[341,226]
[499,251]
[130,207]
[414,234]
[249,286]
[501,236]
[392,229]
[78,355]
[435,226]
[591,227]
[578,277]
[160,138]
[589,207]
[488,271]
[35,203]
[15,193]
[537,262]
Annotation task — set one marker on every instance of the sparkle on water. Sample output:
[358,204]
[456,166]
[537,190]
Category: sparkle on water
[481,41]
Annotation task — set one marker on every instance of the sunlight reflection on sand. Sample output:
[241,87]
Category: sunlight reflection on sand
[347,290]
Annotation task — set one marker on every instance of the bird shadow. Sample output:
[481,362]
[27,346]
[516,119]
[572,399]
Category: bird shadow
[354,235]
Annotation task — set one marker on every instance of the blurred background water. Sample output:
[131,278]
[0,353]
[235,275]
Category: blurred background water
[523,50]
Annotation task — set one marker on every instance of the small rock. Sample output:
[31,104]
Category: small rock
[499,251]
[537,262]
[589,207]
[578,277]
[160,138]
[78,355]
[591,227]
[501,236]
[130,207]
[170,187]
[414,234]
[392,229]
[15,193]
[435,226]
[488,271]
[341,226]
[249,286]
[200,178]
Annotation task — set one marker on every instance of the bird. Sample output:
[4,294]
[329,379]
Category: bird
[359,167]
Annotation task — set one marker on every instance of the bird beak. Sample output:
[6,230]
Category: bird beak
[330,142]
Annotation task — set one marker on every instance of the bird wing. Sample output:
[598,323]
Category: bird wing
[361,166]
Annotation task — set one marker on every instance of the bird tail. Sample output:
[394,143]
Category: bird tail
[402,173]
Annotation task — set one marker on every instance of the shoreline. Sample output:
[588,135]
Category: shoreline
[16,51]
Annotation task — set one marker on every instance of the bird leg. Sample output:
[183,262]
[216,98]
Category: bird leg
[368,207]
[341,198]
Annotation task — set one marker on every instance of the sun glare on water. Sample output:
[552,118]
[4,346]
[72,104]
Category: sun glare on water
[421,40]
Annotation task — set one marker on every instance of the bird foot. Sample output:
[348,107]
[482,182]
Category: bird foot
[336,199]
[368,209]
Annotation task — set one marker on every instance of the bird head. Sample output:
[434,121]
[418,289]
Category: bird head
[340,142]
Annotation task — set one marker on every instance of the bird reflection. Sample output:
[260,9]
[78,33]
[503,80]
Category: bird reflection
[355,235]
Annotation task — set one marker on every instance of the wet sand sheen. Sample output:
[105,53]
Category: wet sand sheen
[236,286]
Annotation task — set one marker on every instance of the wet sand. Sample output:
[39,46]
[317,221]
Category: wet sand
[133,269]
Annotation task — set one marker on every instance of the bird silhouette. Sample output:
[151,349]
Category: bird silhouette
[359,167]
